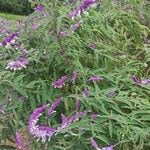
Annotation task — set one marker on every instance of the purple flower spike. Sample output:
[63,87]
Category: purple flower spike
[76,117]
[45,132]
[54,105]
[66,122]
[74,27]
[62,33]
[108,148]
[19,142]
[140,82]
[74,76]
[95,78]
[10,39]
[2,109]
[17,64]
[82,8]
[39,8]
[60,82]
[35,117]
[94,116]
[34,26]
[86,93]
[136,81]
[77,104]
[146,81]
[94,144]
[40,131]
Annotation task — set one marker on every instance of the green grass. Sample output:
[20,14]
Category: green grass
[11,16]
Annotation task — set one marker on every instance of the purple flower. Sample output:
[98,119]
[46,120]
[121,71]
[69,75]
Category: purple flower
[45,132]
[82,8]
[146,81]
[34,26]
[39,8]
[74,27]
[2,31]
[22,50]
[94,116]
[17,64]
[77,104]
[86,93]
[140,82]
[21,145]
[60,82]
[62,33]
[76,116]
[2,109]
[10,39]
[108,148]
[54,105]
[95,78]
[94,144]
[74,76]
[136,81]
[40,131]
[66,122]
[19,142]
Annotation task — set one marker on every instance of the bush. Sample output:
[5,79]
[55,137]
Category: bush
[108,43]
[22,7]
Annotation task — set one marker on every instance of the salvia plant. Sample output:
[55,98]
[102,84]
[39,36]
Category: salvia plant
[74,75]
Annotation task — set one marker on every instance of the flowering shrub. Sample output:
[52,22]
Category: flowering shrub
[92,60]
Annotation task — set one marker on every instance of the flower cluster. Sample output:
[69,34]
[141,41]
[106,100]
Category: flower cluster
[95,78]
[54,105]
[60,82]
[140,82]
[45,132]
[9,40]
[82,8]
[77,104]
[40,131]
[74,76]
[77,12]
[86,93]
[66,122]
[75,26]
[19,142]
[39,8]
[18,64]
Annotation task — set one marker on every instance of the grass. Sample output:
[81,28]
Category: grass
[11,16]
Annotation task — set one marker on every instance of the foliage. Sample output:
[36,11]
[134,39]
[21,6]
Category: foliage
[118,32]
[22,7]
